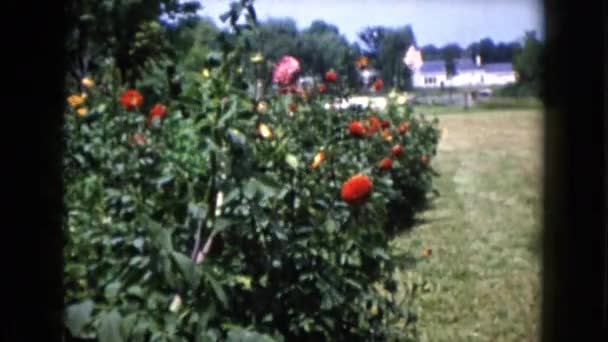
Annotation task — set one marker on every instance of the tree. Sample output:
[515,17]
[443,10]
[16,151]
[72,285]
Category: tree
[528,64]
[388,46]
[129,32]
[430,52]
[277,37]
[449,54]
[321,47]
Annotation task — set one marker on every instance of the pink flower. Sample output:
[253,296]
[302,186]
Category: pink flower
[284,72]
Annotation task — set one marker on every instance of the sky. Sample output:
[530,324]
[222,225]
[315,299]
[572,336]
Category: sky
[436,22]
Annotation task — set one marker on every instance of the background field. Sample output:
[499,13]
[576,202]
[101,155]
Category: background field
[481,282]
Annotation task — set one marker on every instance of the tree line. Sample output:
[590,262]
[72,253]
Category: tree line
[134,35]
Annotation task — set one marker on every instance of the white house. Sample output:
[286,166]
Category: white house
[433,74]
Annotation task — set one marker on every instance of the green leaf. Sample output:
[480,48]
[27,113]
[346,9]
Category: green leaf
[219,292]
[161,236]
[109,329]
[250,189]
[77,315]
[331,225]
[203,322]
[238,334]
[292,161]
[187,267]
[111,290]
[139,243]
[228,115]
[221,224]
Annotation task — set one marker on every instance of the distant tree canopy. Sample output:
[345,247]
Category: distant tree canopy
[388,46]
[128,31]
[133,33]
[528,65]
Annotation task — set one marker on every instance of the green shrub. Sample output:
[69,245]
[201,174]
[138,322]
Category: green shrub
[284,257]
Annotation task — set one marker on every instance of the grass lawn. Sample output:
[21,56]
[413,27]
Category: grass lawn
[482,279]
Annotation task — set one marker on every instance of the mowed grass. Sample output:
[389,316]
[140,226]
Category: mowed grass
[482,279]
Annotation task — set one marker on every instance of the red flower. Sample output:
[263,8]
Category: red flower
[403,128]
[356,189]
[397,150]
[374,124]
[157,112]
[356,128]
[386,164]
[131,99]
[285,71]
[322,88]
[138,139]
[378,85]
[386,124]
[331,76]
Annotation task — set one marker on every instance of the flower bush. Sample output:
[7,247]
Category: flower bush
[213,217]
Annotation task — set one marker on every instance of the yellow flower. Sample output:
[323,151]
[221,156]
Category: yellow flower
[374,310]
[206,73]
[262,107]
[176,304]
[319,158]
[88,82]
[76,100]
[82,111]
[257,58]
[265,131]
[387,135]
[244,280]
[401,99]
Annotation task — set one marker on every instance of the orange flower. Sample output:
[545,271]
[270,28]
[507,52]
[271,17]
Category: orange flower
[157,112]
[131,99]
[76,100]
[387,135]
[378,85]
[82,111]
[374,124]
[356,189]
[403,128]
[319,158]
[397,150]
[386,164]
[362,62]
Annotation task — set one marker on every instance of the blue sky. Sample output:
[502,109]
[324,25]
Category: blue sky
[435,22]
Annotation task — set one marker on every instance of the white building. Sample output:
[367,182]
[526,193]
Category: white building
[433,74]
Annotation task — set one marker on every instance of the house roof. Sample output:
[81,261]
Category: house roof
[433,66]
[465,64]
[498,67]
